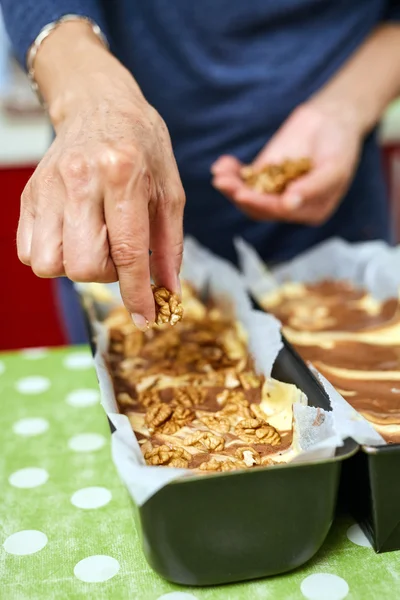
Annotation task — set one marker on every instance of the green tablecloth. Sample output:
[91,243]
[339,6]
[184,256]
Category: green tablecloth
[66,525]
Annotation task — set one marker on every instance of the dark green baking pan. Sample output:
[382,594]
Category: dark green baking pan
[371,489]
[215,529]
[237,526]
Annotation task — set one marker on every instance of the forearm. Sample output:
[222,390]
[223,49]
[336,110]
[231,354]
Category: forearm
[368,82]
[71,64]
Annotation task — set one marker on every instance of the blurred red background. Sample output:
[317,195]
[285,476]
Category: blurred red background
[28,313]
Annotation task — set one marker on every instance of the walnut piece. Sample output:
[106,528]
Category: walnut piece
[234,403]
[274,178]
[149,397]
[232,397]
[220,424]
[248,455]
[204,440]
[220,465]
[170,457]
[163,418]
[188,396]
[257,430]
[258,412]
[157,415]
[169,308]
[249,380]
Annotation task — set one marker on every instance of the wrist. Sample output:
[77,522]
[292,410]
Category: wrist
[348,111]
[71,65]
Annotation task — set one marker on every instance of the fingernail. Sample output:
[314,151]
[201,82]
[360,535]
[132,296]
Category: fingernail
[293,201]
[140,322]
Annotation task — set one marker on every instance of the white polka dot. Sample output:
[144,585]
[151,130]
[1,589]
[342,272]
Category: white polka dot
[324,586]
[91,497]
[86,442]
[29,477]
[25,542]
[2,367]
[94,569]
[177,596]
[83,397]
[31,426]
[357,536]
[33,385]
[78,360]
[34,353]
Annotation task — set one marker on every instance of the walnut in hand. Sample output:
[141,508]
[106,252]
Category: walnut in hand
[169,308]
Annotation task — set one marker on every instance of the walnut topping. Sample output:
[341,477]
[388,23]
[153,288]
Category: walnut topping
[266,461]
[187,390]
[165,419]
[249,456]
[220,465]
[258,411]
[149,397]
[257,430]
[234,402]
[182,415]
[232,396]
[188,396]
[169,308]
[220,424]
[273,179]
[157,415]
[249,380]
[164,455]
[204,440]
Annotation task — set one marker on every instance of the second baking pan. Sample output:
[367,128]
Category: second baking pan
[371,487]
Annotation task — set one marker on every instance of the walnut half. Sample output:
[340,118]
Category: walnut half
[165,419]
[257,431]
[204,440]
[170,457]
[169,308]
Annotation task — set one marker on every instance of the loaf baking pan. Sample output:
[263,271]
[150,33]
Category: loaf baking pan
[371,490]
[236,526]
[370,487]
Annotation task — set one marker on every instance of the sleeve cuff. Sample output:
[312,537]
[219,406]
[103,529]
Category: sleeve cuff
[25,20]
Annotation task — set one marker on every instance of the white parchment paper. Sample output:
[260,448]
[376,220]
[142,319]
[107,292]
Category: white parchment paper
[316,438]
[374,266]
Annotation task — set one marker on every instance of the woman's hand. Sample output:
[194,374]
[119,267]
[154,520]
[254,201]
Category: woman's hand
[330,137]
[108,189]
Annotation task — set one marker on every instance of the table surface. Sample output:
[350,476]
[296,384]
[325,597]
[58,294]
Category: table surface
[66,523]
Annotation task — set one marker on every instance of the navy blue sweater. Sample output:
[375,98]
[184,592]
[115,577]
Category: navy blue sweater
[225,74]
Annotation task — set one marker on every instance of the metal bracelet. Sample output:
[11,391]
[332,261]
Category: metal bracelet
[43,34]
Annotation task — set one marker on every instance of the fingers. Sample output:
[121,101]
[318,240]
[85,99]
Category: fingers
[226,176]
[47,250]
[226,165]
[40,237]
[25,226]
[166,238]
[127,218]
[86,253]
